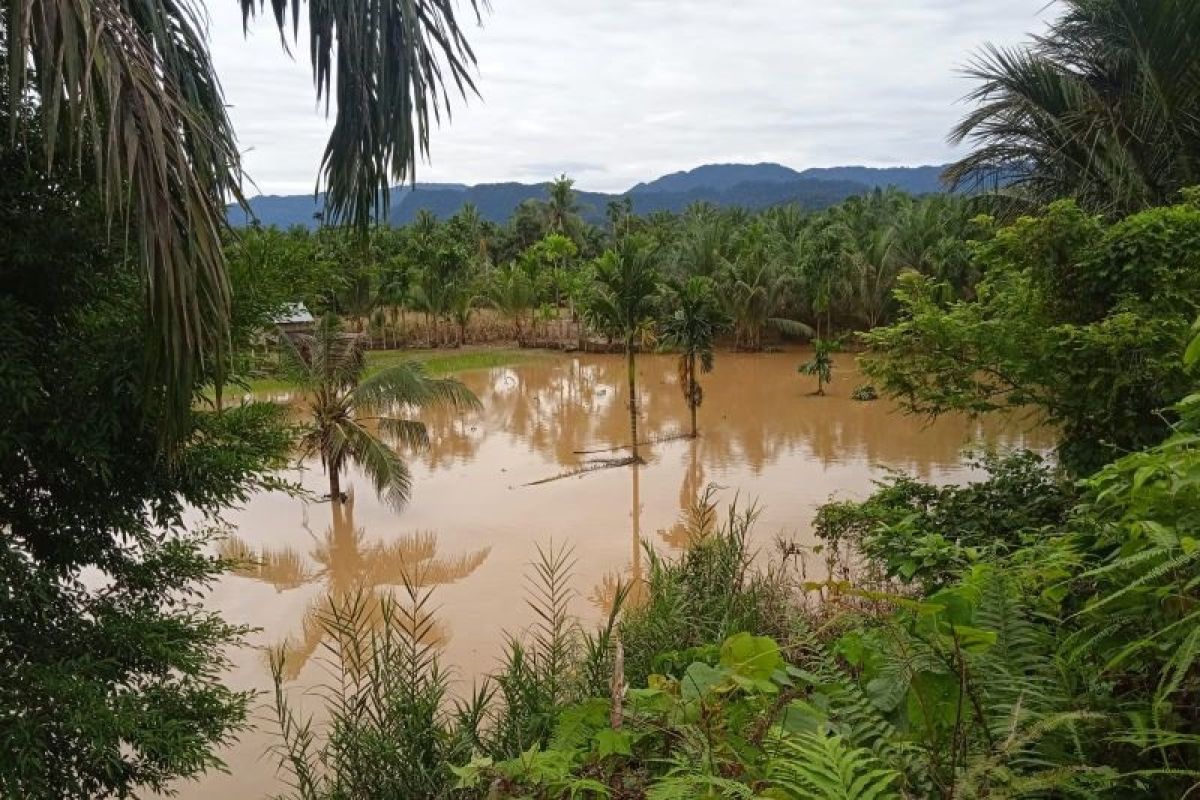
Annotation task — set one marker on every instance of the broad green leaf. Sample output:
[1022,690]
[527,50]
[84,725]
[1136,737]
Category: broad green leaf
[700,679]
[610,742]
[753,657]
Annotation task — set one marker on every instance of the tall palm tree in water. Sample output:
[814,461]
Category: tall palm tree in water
[694,321]
[622,303]
[127,88]
[347,411]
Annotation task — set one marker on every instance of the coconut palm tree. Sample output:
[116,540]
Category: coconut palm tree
[347,412]
[1103,107]
[693,321]
[622,304]
[127,89]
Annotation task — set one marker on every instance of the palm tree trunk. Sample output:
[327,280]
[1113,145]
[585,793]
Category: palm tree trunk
[691,376]
[633,431]
[335,485]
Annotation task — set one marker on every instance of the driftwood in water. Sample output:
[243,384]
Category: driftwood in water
[590,466]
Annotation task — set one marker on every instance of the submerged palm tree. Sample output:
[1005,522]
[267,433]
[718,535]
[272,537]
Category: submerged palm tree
[1104,107]
[692,324]
[127,88]
[622,303]
[346,409]
[821,363]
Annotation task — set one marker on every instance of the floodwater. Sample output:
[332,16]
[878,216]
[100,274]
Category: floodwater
[474,523]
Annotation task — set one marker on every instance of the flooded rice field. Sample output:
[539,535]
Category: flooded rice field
[475,523]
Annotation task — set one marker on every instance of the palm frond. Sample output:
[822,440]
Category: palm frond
[397,63]
[127,88]
[409,385]
[390,475]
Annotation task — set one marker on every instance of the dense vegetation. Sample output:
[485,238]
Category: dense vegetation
[1030,635]
[1034,634]
[110,670]
[115,310]
[439,283]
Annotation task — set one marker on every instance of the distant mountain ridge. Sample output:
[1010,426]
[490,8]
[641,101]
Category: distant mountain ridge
[750,186]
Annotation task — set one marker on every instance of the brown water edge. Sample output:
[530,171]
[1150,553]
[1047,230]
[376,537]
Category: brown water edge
[473,526]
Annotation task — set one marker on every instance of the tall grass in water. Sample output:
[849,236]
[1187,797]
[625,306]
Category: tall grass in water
[394,730]
[706,594]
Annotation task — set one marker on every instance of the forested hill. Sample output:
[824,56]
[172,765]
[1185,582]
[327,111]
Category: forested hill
[750,186]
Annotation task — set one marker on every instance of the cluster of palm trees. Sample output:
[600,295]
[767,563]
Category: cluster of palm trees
[781,271]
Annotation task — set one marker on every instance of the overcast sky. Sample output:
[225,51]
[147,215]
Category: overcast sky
[613,92]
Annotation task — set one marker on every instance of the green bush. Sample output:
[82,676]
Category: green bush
[927,535]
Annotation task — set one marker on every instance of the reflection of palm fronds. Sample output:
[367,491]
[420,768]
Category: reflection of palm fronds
[604,594]
[283,568]
[410,559]
[355,570]
[364,613]
[697,521]
[414,559]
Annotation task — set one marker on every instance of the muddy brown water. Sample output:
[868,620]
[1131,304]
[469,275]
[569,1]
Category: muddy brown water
[474,525]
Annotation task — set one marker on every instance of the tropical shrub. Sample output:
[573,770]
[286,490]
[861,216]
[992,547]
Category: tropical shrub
[1082,322]
[916,533]
[821,363]
[865,393]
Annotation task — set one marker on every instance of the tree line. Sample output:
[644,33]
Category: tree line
[424,283]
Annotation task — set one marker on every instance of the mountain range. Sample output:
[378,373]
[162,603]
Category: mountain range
[750,186]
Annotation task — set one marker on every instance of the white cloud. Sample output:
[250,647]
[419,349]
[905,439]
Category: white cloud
[622,91]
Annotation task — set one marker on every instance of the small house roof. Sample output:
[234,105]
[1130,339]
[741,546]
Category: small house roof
[294,314]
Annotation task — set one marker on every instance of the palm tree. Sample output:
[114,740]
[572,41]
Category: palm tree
[622,304]
[821,363]
[128,90]
[756,285]
[347,410]
[512,293]
[694,321]
[562,209]
[1104,107]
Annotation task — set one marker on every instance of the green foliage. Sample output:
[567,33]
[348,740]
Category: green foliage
[865,393]
[916,533]
[692,321]
[110,667]
[1081,322]
[392,731]
[705,595]
[345,409]
[712,730]
[1101,107]
[821,364]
